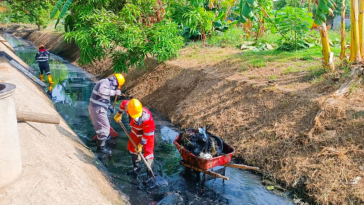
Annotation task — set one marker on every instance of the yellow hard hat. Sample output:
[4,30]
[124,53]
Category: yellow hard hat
[120,78]
[135,108]
[41,46]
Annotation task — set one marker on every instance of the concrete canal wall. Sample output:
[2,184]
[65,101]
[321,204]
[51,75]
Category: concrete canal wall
[56,167]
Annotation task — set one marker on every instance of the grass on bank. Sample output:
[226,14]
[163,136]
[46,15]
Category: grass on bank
[223,47]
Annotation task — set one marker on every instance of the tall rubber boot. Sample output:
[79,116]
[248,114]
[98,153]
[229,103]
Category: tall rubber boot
[41,77]
[50,79]
[49,92]
[136,165]
[101,149]
[150,182]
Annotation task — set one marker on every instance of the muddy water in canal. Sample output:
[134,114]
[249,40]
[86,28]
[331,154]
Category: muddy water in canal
[70,95]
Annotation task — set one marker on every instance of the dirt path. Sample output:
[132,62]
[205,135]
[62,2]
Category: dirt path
[57,168]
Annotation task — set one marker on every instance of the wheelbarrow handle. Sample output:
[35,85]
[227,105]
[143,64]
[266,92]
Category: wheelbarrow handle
[136,147]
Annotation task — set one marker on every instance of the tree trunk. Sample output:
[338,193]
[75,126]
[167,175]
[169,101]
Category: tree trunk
[343,32]
[361,26]
[328,56]
[38,27]
[355,55]
[203,38]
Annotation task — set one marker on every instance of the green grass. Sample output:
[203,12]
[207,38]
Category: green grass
[236,36]
[293,61]
[231,37]
[290,70]
[334,34]
[258,63]
[272,77]
[256,58]
[315,73]
[255,77]
[318,79]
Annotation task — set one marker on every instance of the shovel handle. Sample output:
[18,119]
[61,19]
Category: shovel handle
[136,147]
[113,107]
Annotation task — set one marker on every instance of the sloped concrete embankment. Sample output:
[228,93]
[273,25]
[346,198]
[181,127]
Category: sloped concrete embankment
[56,167]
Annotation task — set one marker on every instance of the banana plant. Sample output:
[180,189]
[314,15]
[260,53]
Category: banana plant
[355,55]
[61,3]
[324,7]
[361,28]
[253,13]
[343,32]
[62,6]
[247,9]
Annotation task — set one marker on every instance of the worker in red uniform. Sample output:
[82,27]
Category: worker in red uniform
[142,132]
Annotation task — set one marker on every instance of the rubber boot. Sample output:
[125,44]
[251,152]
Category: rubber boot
[50,88]
[136,165]
[50,79]
[101,149]
[49,92]
[94,140]
[150,182]
[41,77]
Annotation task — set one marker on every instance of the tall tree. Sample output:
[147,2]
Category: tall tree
[127,31]
[36,12]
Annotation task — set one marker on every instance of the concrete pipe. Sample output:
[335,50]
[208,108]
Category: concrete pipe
[10,158]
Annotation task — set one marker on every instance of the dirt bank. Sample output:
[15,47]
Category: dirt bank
[270,124]
[57,167]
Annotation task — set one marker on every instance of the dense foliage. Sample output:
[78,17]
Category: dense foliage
[293,24]
[128,31]
[35,12]
[127,34]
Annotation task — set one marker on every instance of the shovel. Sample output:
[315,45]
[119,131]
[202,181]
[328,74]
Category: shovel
[113,107]
[136,148]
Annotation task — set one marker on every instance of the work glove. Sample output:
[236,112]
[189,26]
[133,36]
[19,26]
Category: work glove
[118,92]
[117,117]
[143,142]
[140,148]
[111,110]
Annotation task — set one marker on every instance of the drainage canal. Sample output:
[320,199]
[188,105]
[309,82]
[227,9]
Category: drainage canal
[70,95]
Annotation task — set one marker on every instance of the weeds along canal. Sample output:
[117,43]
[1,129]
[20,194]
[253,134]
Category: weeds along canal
[70,95]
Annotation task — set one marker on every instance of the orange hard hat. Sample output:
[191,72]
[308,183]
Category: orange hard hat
[41,46]
[135,108]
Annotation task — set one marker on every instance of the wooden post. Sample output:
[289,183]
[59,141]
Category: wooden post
[241,166]
[37,117]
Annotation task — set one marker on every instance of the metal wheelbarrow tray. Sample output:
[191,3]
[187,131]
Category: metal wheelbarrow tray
[201,163]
